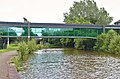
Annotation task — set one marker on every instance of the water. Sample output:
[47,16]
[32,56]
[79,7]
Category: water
[71,64]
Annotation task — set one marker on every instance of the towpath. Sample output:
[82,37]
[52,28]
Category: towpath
[7,71]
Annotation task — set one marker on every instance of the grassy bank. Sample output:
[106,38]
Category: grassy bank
[25,50]
[11,47]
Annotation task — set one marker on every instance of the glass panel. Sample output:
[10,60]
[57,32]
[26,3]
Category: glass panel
[39,31]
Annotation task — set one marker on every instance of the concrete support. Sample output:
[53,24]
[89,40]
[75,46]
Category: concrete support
[8,42]
[8,38]
[103,28]
[28,31]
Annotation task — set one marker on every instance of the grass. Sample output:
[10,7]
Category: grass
[11,47]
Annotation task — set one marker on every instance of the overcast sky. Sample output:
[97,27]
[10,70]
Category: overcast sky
[47,11]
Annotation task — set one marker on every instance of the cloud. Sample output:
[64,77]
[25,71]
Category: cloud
[46,10]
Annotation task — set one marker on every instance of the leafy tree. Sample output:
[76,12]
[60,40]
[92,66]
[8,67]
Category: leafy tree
[103,17]
[77,21]
[87,12]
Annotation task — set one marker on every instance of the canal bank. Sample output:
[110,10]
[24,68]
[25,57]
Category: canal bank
[8,71]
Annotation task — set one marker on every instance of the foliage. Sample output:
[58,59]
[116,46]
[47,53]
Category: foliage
[58,42]
[109,37]
[25,49]
[9,48]
[77,21]
[17,63]
[54,41]
[32,46]
[100,42]
[84,44]
[51,41]
[103,17]
[104,40]
[87,12]
[67,42]
[22,51]
[62,40]
[109,42]
[77,43]
[114,46]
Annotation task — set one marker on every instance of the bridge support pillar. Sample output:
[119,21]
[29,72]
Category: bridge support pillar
[8,42]
[103,29]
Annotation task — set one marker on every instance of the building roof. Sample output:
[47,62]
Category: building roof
[55,25]
[117,22]
[60,25]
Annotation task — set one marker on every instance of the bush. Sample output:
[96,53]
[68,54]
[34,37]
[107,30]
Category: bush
[100,42]
[32,46]
[17,63]
[22,51]
[114,46]
[84,44]
[109,42]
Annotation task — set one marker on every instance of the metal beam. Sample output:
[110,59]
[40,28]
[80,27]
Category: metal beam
[50,37]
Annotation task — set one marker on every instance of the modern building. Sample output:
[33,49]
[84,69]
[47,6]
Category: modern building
[117,22]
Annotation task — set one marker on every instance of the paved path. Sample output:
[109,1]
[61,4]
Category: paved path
[7,71]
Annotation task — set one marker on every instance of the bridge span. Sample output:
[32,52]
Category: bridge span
[53,30]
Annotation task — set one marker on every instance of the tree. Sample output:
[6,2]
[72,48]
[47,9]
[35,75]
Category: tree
[87,12]
[77,21]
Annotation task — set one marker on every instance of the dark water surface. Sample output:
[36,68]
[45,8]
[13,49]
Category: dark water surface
[71,64]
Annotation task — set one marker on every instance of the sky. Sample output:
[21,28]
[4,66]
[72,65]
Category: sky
[47,11]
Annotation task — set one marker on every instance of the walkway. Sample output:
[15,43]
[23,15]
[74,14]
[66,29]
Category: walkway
[7,71]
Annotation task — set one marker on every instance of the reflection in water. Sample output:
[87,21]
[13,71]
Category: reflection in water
[71,64]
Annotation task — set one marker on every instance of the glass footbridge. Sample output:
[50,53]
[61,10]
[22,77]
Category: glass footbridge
[53,30]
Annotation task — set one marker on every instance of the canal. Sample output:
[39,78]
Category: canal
[71,64]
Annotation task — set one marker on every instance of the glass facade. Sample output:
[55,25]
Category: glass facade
[43,31]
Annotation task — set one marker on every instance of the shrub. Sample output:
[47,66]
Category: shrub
[32,46]
[84,44]
[109,42]
[22,51]
[114,46]
[17,63]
